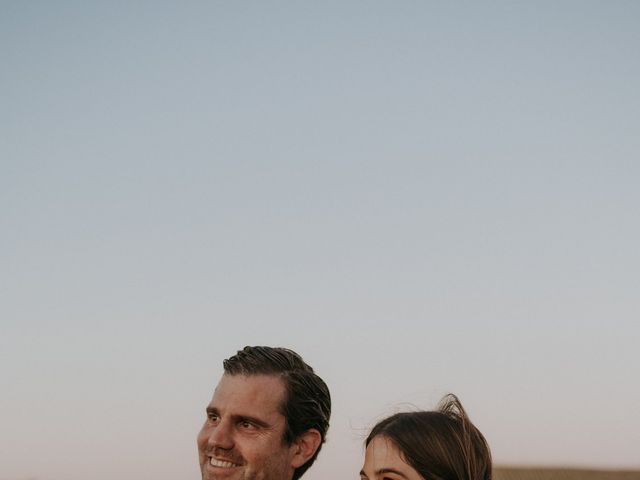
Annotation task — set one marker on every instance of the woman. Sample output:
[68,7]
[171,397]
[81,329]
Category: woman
[438,445]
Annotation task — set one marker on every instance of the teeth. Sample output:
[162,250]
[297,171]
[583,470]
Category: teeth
[220,463]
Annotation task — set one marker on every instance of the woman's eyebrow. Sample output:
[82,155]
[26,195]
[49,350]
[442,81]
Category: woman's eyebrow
[382,471]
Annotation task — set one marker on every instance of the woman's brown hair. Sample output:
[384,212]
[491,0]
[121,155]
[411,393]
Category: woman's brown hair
[441,444]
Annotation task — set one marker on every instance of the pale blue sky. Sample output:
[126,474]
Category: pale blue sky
[419,197]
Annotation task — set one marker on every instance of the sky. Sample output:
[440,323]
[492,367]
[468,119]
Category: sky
[418,197]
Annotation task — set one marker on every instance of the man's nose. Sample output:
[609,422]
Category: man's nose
[221,435]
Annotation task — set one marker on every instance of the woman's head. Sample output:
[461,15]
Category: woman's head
[436,445]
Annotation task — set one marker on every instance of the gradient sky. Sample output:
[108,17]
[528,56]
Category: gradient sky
[418,197]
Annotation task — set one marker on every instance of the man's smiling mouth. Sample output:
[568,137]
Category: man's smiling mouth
[222,463]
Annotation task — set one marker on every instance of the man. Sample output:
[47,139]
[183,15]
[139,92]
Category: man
[267,419]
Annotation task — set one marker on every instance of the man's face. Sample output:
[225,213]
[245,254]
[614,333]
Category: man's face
[243,435]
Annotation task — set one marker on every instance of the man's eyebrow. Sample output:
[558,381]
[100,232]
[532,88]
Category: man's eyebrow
[250,419]
[240,418]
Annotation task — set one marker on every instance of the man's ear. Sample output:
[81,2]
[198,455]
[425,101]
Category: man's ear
[305,446]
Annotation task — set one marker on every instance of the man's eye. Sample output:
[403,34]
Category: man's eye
[212,416]
[246,424]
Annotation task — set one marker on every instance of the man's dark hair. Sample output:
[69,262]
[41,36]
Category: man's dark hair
[307,402]
[439,445]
